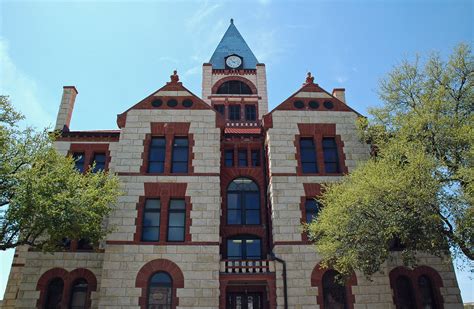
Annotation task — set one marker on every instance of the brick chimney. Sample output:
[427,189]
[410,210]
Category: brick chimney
[65,108]
[339,93]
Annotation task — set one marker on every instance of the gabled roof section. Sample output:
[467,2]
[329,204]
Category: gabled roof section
[311,97]
[172,96]
[233,43]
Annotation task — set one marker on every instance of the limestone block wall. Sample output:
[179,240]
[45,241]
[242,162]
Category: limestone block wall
[14,279]
[281,137]
[285,195]
[373,293]
[37,263]
[286,188]
[127,155]
[199,265]
[204,192]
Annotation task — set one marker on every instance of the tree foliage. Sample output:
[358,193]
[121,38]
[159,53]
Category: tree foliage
[43,198]
[417,189]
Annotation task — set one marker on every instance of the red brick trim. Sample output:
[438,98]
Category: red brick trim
[238,78]
[413,275]
[174,174]
[165,192]
[229,283]
[146,272]
[169,131]
[68,279]
[317,281]
[318,132]
[131,242]
[18,264]
[89,149]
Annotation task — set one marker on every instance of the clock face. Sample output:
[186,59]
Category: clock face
[233,62]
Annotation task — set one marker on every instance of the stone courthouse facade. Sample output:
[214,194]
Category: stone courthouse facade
[215,190]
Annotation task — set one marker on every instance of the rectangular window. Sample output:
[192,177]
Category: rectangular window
[220,109]
[311,209]
[234,112]
[156,157]
[243,158]
[180,155]
[79,160]
[234,208]
[250,112]
[99,159]
[151,220]
[255,158]
[331,160]
[229,157]
[176,220]
[308,155]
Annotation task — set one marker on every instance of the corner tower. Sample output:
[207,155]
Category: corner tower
[234,82]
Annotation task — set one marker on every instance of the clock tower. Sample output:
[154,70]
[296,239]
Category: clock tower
[234,82]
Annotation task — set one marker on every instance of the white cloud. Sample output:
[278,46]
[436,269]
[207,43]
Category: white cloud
[22,90]
[341,79]
[192,71]
[202,13]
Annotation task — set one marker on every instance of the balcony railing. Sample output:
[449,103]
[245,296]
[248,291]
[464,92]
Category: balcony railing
[247,266]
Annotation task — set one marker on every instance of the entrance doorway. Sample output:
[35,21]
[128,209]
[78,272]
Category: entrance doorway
[245,300]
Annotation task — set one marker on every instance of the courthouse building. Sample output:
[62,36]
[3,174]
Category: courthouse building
[216,188]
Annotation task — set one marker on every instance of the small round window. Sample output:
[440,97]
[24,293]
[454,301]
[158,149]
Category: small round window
[172,103]
[313,104]
[156,103]
[187,103]
[328,105]
[298,104]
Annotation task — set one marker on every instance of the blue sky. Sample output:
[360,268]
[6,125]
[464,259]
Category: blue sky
[118,52]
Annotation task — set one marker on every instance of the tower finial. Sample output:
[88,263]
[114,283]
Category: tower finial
[231,21]
[174,77]
[309,79]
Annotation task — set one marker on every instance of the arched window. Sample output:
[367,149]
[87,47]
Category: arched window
[426,291]
[54,294]
[160,291]
[334,293]
[404,296]
[234,87]
[79,292]
[243,202]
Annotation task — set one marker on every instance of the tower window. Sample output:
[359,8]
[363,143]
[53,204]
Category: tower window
[220,109]
[308,155]
[256,157]
[250,112]
[79,160]
[234,87]
[244,248]
[99,159]
[311,209]
[79,294]
[243,202]
[160,291]
[54,293]
[151,220]
[180,155]
[156,158]
[243,158]
[176,220]
[229,157]
[234,112]
[331,160]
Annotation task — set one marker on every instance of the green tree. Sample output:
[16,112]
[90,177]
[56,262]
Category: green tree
[417,187]
[43,199]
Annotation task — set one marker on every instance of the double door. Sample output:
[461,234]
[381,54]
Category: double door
[244,301]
